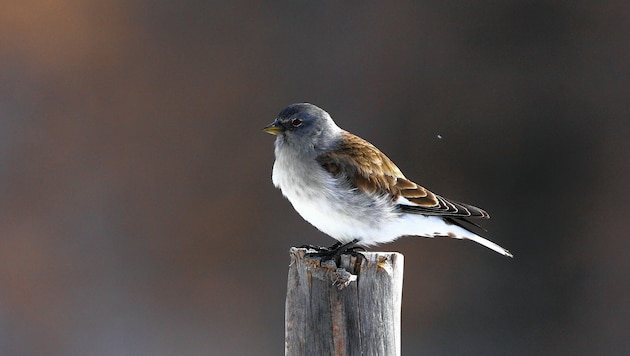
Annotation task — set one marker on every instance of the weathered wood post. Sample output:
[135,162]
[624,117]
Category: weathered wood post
[351,309]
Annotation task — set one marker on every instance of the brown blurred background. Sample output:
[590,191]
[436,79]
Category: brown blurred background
[137,211]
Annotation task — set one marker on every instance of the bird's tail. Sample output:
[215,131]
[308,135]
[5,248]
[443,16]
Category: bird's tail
[462,232]
[489,244]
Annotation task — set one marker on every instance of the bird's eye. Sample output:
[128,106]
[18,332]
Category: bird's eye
[296,122]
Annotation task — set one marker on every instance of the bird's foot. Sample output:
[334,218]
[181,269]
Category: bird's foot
[319,249]
[335,251]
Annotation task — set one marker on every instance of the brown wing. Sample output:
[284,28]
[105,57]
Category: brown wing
[369,170]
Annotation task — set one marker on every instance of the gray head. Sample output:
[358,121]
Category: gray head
[304,127]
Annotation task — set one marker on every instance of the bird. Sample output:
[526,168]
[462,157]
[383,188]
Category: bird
[348,189]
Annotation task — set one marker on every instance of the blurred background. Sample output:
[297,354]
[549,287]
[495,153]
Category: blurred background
[137,211]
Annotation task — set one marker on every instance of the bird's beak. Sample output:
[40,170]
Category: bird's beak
[274,128]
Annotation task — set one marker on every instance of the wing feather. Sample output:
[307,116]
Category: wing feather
[367,169]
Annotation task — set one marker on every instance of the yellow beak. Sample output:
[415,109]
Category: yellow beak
[274,128]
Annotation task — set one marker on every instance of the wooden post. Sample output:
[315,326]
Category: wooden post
[353,309]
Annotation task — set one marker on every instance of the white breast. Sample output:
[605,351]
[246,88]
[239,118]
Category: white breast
[337,211]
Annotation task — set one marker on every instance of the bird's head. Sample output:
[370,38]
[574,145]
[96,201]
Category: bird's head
[303,126]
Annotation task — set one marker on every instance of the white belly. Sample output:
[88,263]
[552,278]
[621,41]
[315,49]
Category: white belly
[345,215]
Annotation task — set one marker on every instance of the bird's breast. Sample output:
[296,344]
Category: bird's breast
[328,203]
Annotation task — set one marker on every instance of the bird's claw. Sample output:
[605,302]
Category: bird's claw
[335,251]
[321,248]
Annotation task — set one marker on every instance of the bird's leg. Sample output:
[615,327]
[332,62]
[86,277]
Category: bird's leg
[335,246]
[322,248]
[336,250]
